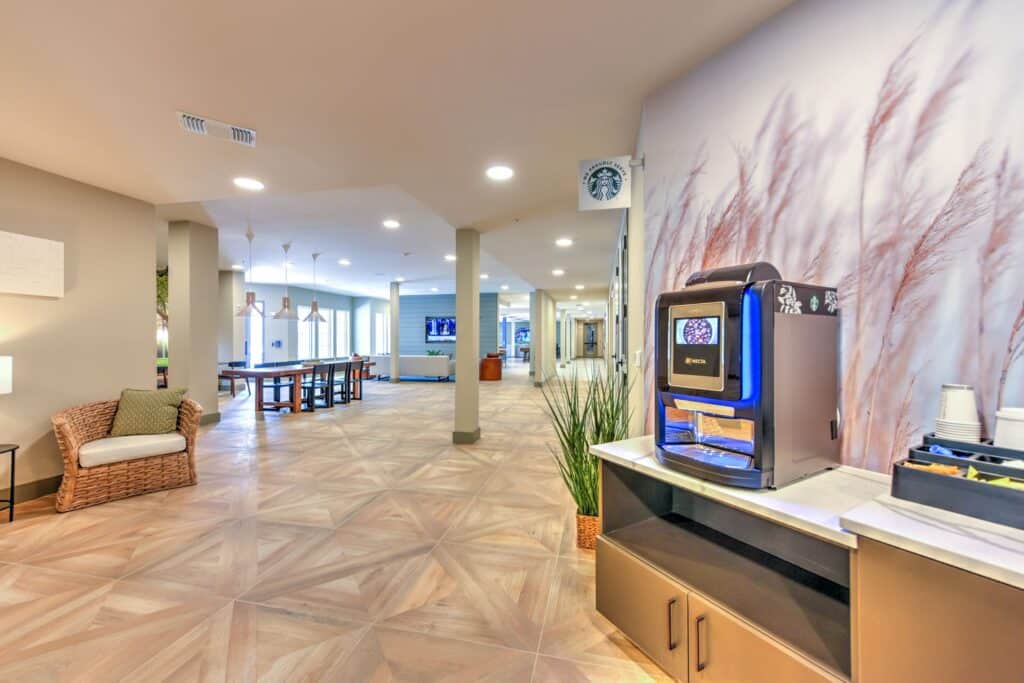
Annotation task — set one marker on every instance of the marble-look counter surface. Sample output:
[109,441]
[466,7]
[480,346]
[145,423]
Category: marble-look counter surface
[812,506]
[991,550]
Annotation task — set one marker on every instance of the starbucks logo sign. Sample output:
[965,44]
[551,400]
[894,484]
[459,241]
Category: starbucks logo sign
[604,183]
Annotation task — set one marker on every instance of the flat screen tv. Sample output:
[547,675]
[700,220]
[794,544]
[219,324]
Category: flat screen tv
[441,329]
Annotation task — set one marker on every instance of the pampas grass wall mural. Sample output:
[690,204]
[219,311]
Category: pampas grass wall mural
[884,155]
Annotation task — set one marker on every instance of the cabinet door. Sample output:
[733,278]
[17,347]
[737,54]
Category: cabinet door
[644,604]
[724,649]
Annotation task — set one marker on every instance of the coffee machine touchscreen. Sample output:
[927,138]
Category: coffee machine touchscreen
[697,346]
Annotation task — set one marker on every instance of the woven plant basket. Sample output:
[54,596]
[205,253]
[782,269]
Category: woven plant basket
[587,529]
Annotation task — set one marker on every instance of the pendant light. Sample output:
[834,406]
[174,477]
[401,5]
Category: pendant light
[314,308]
[286,312]
[249,307]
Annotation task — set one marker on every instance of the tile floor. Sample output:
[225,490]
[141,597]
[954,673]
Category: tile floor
[353,544]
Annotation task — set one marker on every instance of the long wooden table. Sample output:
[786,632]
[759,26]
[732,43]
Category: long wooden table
[260,374]
[296,372]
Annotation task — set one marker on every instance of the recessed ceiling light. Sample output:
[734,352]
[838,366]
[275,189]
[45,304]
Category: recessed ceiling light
[391,224]
[399,279]
[563,242]
[344,262]
[574,297]
[250,184]
[449,257]
[433,289]
[484,276]
[237,266]
[558,272]
[579,286]
[500,172]
[504,286]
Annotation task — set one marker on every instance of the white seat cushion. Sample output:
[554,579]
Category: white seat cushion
[121,448]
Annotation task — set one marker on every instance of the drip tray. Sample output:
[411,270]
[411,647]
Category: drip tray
[711,456]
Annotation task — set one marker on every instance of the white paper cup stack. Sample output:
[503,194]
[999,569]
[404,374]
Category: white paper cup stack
[1010,428]
[958,414]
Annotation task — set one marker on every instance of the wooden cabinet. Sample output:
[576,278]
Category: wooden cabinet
[724,649]
[921,620]
[645,604]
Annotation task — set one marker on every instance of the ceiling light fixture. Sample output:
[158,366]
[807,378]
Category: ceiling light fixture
[250,184]
[391,224]
[286,312]
[579,286]
[433,289]
[399,279]
[558,272]
[314,307]
[449,257]
[574,297]
[500,172]
[344,262]
[504,287]
[237,266]
[484,276]
[563,242]
[249,307]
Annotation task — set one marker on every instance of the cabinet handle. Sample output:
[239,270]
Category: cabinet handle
[701,662]
[672,644]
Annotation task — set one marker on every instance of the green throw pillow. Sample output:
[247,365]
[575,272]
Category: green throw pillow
[145,411]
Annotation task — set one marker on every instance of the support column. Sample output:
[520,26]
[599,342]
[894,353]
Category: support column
[393,337]
[192,313]
[467,336]
[537,337]
[562,317]
[230,328]
[636,303]
[550,367]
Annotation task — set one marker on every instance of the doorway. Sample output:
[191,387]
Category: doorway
[589,338]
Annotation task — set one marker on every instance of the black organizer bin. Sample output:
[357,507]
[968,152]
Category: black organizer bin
[997,504]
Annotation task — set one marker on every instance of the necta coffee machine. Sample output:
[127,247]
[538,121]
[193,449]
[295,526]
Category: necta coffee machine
[747,377]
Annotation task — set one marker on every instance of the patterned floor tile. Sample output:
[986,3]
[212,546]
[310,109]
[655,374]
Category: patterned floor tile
[389,655]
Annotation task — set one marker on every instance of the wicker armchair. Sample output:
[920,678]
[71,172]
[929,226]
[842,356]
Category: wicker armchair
[84,486]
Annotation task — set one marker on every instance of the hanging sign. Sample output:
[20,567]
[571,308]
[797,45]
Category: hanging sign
[605,183]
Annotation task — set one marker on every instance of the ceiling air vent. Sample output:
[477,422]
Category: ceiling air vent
[217,129]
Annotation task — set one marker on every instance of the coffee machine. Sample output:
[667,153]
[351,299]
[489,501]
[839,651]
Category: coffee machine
[747,377]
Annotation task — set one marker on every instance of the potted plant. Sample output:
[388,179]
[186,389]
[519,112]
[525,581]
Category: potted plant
[583,414]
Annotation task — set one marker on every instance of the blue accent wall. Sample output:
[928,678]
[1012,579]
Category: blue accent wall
[413,310]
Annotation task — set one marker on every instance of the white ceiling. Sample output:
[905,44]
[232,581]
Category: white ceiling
[420,96]
[342,224]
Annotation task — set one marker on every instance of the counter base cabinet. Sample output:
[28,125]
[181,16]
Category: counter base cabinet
[723,649]
[690,637]
[644,604]
[921,620]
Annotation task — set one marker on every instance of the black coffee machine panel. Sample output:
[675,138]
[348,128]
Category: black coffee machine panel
[747,377]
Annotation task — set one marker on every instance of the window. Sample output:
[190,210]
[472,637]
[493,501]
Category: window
[256,336]
[306,335]
[381,333]
[325,334]
[342,333]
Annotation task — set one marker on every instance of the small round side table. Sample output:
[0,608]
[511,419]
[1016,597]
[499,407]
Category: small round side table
[11,448]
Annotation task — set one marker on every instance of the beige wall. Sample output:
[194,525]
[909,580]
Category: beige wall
[99,338]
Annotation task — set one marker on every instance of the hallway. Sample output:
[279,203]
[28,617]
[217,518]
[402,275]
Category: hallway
[350,544]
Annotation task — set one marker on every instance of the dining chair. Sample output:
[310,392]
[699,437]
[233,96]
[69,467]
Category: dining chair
[357,380]
[321,382]
[341,382]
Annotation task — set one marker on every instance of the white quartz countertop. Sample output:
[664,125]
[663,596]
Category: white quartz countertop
[812,506]
[991,550]
[841,504]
